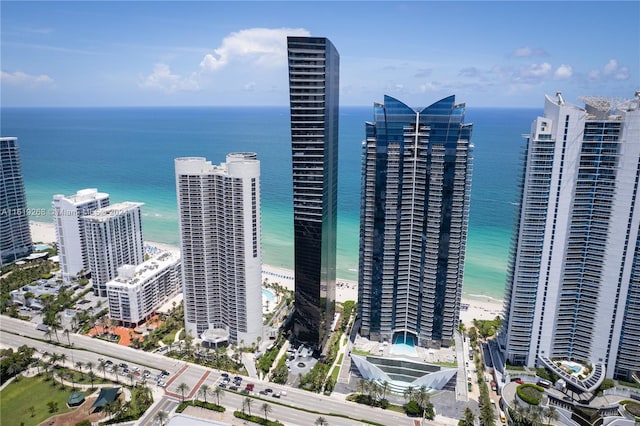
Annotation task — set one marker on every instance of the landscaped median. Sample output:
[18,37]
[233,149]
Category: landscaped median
[530,393]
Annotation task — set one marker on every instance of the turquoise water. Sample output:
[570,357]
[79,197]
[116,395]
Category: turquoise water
[402,346]
[129,153]
[269,295]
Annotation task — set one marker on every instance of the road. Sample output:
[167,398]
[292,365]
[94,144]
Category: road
[15,332]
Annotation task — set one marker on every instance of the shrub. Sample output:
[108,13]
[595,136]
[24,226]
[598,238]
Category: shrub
[412,408]
[256,419]
[197,403]
[84,423]
[530,393]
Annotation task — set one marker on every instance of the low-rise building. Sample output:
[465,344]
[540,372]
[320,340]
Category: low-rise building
[137,291]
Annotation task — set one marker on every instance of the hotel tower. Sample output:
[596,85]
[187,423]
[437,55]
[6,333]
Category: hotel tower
[314,66]
[68,215]
[114,238]
[414,211]
[219,210]
[573,288]
[15,236]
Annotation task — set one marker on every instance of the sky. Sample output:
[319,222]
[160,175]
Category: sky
[219,53]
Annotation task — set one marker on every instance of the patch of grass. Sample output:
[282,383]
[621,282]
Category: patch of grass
[334,374]
[530,393]
[17,398]
[359,352]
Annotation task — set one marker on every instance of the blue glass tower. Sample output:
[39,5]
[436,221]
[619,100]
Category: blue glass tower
[416,183]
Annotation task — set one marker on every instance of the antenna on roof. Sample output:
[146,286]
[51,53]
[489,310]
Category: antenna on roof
[560,99]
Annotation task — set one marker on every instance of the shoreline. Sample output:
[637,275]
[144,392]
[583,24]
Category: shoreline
[478,306]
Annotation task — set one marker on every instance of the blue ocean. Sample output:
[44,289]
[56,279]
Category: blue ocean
[129,153]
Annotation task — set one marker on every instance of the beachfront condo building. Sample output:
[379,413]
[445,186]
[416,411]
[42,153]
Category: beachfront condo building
[137,292]
[219,211]
[573,286]
[314,73]
[113,238]
[15,236]
[414,213]
[68,214]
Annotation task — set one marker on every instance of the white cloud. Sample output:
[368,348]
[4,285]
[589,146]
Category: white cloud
[537,70]
[20,78]
[527,52]
[563,72]
[261,46]
[610,70]
[610,67]
[164,80]
[249,87]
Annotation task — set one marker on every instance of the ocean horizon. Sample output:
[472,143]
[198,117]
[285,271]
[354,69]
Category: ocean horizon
[129,153]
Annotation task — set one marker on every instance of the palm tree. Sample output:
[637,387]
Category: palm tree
[115,372]
[161,417]
[103,366]
[551,413]
[385,389]
[79,365]
[62,358]
[246,403]
[183,387]
[66,332]
[266,408]
[92,377]
[469,417]
[409,393]
[321,421]
[204,389]
[218,392]
[89,365]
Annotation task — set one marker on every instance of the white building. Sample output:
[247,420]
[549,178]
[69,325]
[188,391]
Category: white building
[573,290]
[68,214]
[219,209]
[137,291]
[114,238]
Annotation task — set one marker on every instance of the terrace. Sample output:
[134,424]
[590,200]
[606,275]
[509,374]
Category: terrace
[571,372]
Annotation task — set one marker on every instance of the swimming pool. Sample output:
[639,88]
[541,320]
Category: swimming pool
[269,295]
[403,345]
[41,247]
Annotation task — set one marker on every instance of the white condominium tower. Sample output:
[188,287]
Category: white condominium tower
[114,238]
[573,289]
[68,214]
[219,210]
[138,291]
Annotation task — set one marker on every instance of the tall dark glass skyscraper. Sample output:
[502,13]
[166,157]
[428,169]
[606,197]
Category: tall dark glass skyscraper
[416,183]
[314,66]
[15,236]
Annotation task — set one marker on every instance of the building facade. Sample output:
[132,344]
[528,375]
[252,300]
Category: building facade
[414,212]
[114,238]
[219,210]
[15,236]
[138,291]
[68,214]
[573,289]
[314,66]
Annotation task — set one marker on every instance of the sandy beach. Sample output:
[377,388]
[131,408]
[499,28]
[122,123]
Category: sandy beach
[476,308]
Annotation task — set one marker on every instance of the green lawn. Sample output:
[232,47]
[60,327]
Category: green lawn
[16,399]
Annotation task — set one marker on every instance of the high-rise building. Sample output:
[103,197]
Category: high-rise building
[416,183]
[15,236]
[114,238]
[138,291]
[314,66]
[219,210]
[68,214]
[573,288]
